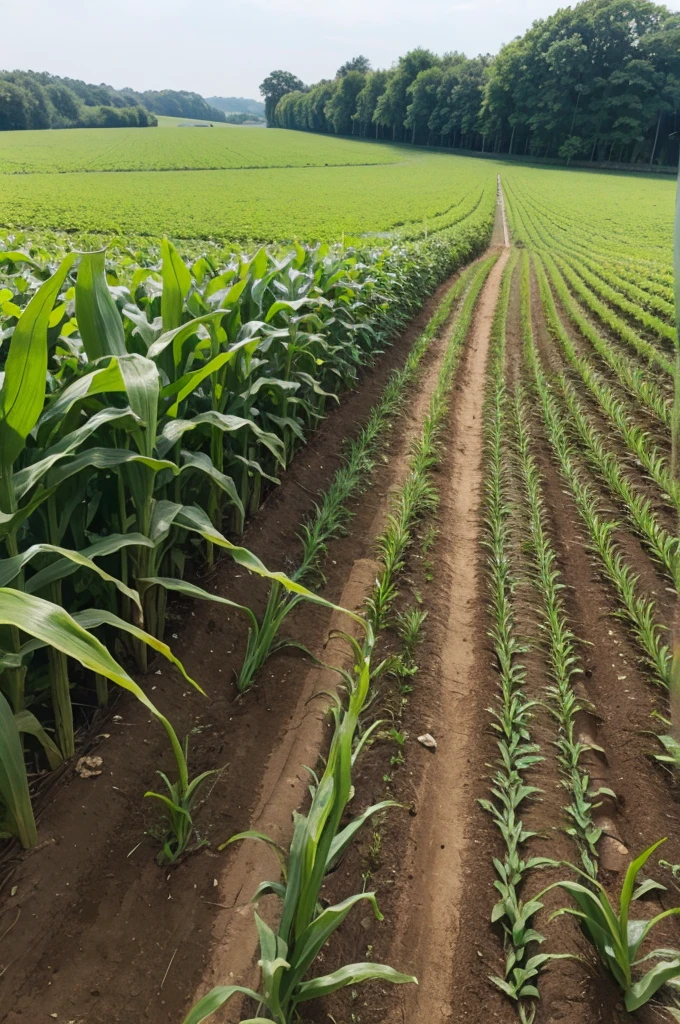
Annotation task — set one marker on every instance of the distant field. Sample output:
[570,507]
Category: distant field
[148,149]
[175,122]
[407,191]
[242,184]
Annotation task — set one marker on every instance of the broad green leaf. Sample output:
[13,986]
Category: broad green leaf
[227,423]
[202,463]
[105,458]
[91,618]
[176,285]
[63,567]
[23,390]
[99,322]
[13,780]
[352,974]
[216,999]
[629,882]
[182,388]
[342,840]
[16,257]
[142,385]
[317,935]
[11,567]
[107,378]
[191,590]
[195,519]
[642,991]
[28,723]
[179,335]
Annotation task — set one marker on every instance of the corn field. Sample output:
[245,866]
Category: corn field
[382,533]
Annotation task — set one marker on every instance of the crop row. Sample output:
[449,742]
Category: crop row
[137,423]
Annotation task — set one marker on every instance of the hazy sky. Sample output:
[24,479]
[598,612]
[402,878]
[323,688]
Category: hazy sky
[226,48]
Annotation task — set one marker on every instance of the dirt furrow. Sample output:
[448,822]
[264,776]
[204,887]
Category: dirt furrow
[427,930]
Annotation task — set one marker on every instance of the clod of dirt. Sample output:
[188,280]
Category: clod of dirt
[428,741]
[613,854]
[88,767]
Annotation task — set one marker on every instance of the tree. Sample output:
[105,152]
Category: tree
[65,103]
[13,112]
[367,101]
[391,107]
[340,108]
[422,93]
[360,63]
[274,87]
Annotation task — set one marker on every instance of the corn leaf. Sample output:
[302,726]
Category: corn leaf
[99,322]
[63,567]
[28,723]
[13,781]
[215,999]
[643,990]
[352,974]
[11,567]
[176,286]
[23,390]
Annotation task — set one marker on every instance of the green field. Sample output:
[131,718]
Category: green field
[138,149]
[242,185]
[307,187]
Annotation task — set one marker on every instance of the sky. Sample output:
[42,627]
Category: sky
[227,47]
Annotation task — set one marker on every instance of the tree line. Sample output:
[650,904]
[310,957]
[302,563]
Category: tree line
[596,82]
[30,99]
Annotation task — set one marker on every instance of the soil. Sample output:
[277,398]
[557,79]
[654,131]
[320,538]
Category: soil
[92,931]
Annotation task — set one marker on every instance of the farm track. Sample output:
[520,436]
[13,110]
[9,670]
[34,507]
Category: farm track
[132,939]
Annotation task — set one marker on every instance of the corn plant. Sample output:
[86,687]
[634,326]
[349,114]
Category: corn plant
[305,925]
[513,710]
[675,472]
[617,937]
[332,512]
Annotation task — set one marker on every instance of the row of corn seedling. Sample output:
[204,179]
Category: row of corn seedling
[513,710]
[638,609]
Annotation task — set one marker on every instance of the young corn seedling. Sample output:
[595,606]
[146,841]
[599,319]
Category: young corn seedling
[178,802]
[288,954]
[511,717]
[617,938]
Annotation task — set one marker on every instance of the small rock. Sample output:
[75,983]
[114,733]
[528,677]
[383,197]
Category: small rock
[427,740]
[88,767]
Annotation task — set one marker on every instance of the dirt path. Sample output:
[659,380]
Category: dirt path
[432,926]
